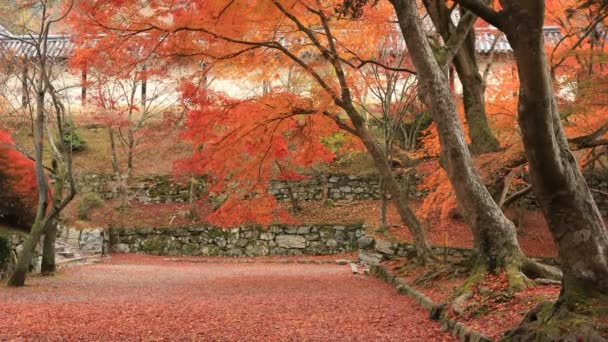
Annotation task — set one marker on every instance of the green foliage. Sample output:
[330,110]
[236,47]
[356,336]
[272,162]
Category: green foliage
[72,139]
[334,141]
[86,203]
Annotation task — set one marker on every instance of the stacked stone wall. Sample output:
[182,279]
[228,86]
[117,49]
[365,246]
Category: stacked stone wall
[239,241]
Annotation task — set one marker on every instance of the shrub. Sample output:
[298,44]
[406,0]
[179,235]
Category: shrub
[86,203]
[71,138]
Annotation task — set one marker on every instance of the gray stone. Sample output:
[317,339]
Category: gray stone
[291,230]
[384,247]
[365,242]
[266,236]
[234,252]
[367,257]
[291,241]
[303,230]
[331,243]
[220,241]
[312,237]
[121,248]
[91,241]
[252,250]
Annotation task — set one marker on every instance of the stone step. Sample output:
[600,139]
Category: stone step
[80,260]
[67,254]
[60,249]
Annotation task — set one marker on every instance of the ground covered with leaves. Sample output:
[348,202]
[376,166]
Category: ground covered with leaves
[157,299]
[492,309]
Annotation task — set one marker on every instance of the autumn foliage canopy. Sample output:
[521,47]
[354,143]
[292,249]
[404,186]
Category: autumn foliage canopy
[18,189]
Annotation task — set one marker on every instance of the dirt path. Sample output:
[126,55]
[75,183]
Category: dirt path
[149,298]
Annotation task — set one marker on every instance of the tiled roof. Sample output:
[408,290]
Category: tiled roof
[4,32]
[485,38]
[61,47]
[58,46]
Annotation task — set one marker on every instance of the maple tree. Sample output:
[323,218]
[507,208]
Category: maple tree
[125,100]
[49,113]
[243,145]
[18,183]
[313,36]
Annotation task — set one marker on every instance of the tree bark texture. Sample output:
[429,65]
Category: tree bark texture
[562,192]
[473,89]
[48,265]
[494,235]
[390,183]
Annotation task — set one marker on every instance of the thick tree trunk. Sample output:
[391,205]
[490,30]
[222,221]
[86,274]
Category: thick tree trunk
[48,249]
[25,256]
[482,138]
[494,234]
[561,190]
[390,183]
[473,90]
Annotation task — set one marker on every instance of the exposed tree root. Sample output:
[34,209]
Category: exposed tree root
[555,321]
[535,270]
[515,276]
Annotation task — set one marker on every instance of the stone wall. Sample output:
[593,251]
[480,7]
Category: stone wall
[87,241]
[337,187]
[240,241]
[162,189]
[372,251]
[150,189]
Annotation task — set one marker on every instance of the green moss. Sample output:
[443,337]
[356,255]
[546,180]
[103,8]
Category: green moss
[517,280]
[191,249]
[156,245]
[469,285]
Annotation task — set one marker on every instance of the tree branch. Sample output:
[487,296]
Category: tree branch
[483,11]
[515,196]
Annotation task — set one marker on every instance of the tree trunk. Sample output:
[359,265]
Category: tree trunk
[494,235]
[482,138]
[381,162]
[473,90]
[383,206]
[25,256]
[48,249]
[192,199]
[562,192]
